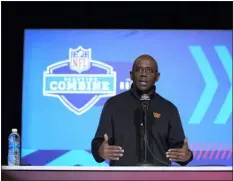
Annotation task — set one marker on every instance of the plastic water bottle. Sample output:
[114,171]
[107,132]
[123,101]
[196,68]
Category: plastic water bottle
[14,148]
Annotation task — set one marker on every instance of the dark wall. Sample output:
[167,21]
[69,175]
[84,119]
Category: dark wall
[16,16]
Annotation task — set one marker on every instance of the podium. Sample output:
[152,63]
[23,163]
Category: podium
[11,173]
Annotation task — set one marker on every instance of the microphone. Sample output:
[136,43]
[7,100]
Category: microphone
[145,97]
[145,101]
[145,106]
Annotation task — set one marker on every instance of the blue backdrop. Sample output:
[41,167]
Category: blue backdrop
[69,74]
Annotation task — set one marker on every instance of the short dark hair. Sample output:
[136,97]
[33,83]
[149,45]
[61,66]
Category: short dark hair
[146,56]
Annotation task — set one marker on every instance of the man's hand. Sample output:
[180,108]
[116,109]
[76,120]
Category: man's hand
[109,152]
[179,154]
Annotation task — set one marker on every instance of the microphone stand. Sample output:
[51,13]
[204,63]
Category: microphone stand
[145,161]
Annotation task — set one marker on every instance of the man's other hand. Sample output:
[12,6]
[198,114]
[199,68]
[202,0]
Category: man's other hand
[110,152]
[179,154]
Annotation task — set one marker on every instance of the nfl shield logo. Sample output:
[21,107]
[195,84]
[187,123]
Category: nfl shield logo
[80,59]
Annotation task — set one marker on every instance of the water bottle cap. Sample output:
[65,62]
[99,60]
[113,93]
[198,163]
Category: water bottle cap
[14,130]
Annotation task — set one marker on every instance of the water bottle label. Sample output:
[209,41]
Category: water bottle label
[14,150]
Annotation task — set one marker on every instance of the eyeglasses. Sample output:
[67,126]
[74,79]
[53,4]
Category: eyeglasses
[146,70]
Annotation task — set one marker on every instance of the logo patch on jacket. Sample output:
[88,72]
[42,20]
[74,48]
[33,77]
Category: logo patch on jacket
[156,115]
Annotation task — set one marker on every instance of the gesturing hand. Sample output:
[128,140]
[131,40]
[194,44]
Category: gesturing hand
[110,152]
[179,154]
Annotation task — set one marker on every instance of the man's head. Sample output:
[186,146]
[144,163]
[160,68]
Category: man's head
[144,73]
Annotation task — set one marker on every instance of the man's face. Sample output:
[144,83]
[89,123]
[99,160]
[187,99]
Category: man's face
[144,74]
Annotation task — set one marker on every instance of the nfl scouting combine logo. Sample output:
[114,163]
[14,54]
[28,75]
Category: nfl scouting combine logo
[80,82]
